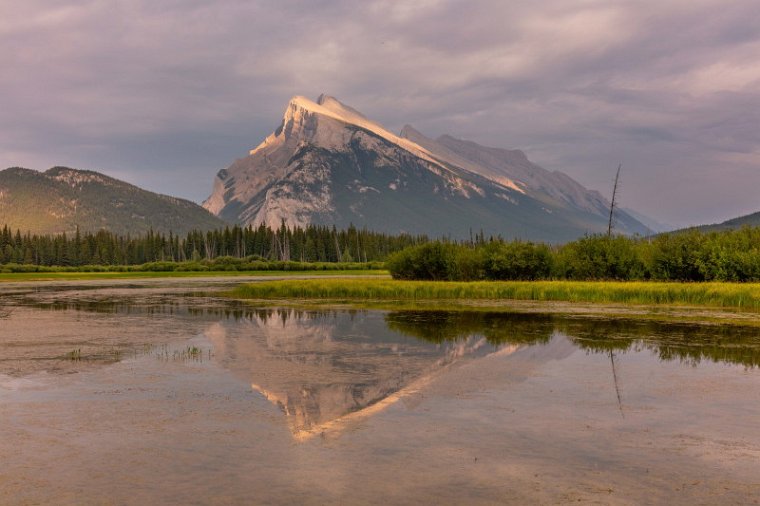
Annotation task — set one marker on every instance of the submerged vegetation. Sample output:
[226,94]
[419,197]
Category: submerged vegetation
[721,295]
[687,256]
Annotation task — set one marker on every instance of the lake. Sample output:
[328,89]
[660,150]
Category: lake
[159,391]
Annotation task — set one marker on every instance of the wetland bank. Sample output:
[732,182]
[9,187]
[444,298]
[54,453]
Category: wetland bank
[178,395]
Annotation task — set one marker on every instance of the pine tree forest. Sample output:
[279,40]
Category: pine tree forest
[310,244]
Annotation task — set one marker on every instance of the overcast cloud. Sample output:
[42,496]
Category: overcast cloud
[164,93]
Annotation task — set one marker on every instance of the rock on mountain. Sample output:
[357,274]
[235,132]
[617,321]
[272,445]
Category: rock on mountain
[62,199]
[328,164]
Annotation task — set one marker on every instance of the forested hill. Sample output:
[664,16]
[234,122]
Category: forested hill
[750,220]
[63,199]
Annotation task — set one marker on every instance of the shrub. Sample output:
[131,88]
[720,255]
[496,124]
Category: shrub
[517,261]
[601,257]
[676,257]
[433,261]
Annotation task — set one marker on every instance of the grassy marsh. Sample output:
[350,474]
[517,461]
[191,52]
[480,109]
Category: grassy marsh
[742,296]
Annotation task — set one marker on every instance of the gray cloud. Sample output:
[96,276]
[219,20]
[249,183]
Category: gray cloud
[164,93]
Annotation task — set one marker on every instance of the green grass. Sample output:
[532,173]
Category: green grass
[58,276]
[743,296]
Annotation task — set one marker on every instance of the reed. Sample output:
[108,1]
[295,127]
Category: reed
[724,295]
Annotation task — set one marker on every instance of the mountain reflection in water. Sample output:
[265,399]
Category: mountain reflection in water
[325,368]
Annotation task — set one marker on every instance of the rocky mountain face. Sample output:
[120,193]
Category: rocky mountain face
[328,164]
[62,199]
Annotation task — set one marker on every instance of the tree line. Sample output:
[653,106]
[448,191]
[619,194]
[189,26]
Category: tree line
[684,256]
[313,243]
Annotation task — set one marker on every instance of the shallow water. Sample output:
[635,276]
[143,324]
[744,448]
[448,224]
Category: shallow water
[143,393]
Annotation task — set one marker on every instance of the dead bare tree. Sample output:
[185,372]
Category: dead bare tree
[337,248]
[613,201]
[209,244]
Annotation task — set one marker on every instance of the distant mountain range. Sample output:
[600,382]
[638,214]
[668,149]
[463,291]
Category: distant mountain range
[328,164]
[62,199]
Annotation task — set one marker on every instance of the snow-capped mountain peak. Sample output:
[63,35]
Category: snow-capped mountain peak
[302,114]
[329,164]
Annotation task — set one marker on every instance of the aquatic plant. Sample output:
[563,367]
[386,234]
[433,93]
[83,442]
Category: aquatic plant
[722,295]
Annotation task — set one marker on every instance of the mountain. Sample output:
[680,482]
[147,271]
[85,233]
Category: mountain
[749,220]
[328,164]
[654,226]
[61,199]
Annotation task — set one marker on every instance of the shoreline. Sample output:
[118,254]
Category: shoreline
[17,277]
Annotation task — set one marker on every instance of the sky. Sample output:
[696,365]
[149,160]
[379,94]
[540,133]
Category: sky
[164,93]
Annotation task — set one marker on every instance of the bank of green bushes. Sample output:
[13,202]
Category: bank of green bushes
[687,256]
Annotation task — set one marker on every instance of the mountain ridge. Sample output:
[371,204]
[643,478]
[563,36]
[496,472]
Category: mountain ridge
[746,220]
[66,199]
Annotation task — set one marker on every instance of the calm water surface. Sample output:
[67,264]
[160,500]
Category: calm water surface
[119,393]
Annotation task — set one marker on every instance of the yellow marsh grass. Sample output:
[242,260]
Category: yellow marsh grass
[727,295]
